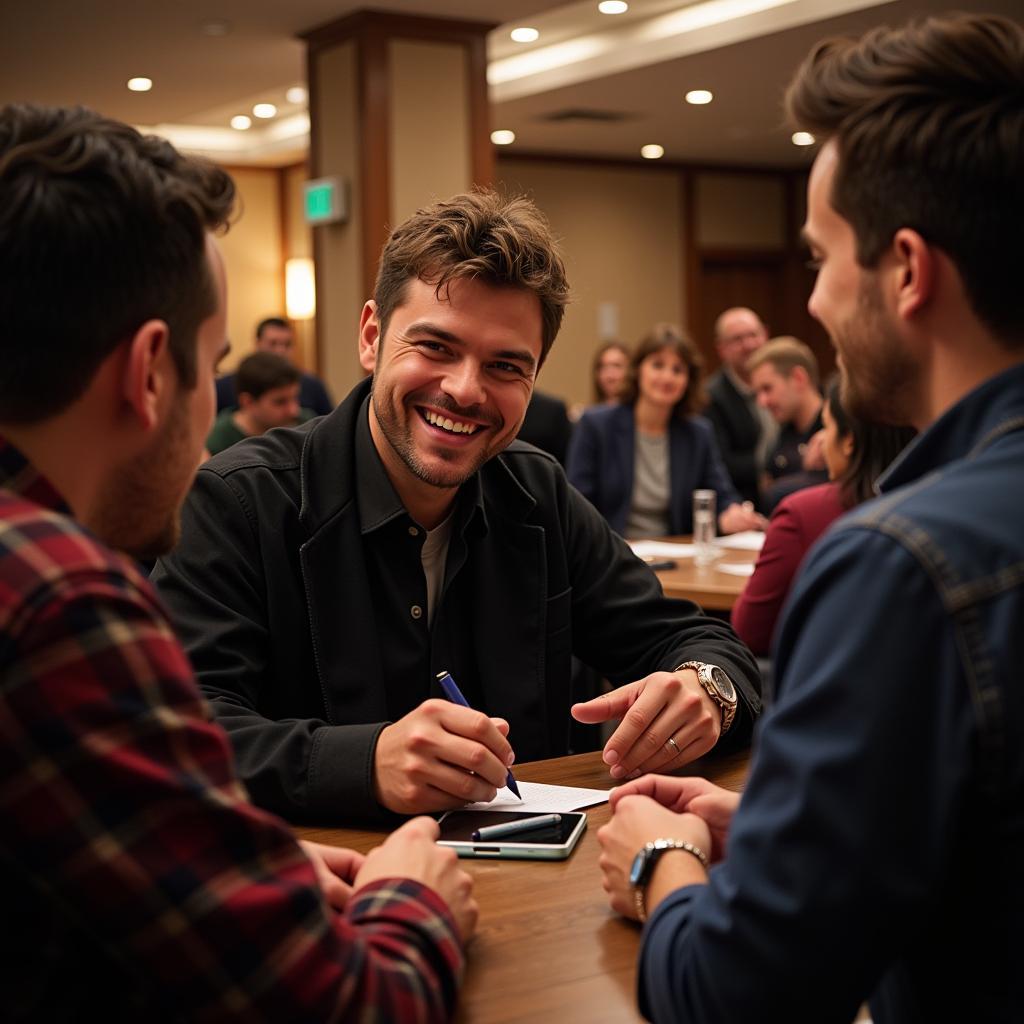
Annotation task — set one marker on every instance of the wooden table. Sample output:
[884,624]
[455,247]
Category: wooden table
[706,585]
[548,947]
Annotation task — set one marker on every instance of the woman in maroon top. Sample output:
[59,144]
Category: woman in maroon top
[856,454]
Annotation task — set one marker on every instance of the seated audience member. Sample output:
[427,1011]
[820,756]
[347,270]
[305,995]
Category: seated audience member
[875,853]
[547,425]
[276,335]
[268,397]
[639,462]
[141,882]
[856,454]
[609,371]
[745,431]
[327,574]
[784,376]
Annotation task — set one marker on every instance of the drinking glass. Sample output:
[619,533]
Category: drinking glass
[704,527]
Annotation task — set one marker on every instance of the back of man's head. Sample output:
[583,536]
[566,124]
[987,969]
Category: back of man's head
[928,121]
[262,372]
[499,241]
[786,354]
[101,229]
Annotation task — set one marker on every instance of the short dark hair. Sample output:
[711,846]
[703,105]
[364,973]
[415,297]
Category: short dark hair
[928,121]
[875,446]
[101,229]
[500,241]
[264,371]
[785,354]
[595,366]
[272,321]
[675,338]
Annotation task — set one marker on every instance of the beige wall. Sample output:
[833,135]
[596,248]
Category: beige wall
[429,143]
[252,258]
[621,233]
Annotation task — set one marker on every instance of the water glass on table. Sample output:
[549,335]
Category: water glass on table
[704,527]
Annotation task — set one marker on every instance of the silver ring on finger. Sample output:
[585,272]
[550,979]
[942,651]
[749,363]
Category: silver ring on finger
[675,746]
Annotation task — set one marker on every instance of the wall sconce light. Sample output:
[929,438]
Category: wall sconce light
[300,289]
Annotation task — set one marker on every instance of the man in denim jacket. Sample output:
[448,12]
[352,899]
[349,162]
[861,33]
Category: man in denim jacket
[876,853]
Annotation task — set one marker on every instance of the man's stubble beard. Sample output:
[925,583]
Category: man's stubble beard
[141,504]
[879,380]
[399,437]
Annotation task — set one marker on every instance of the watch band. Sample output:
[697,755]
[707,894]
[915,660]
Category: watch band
[655,850]
[728,709]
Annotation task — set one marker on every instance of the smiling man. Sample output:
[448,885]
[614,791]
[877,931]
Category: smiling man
[329,573]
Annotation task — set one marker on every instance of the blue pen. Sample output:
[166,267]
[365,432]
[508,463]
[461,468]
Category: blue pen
[454,694]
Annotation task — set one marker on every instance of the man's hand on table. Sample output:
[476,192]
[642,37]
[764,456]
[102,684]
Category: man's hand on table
[412,852]
[659,707]
[440,756]
[687,796]
[636,821]
[335,868]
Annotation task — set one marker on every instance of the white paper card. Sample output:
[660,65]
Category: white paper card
[736,568]
[540,797]
[748,540]
[661,549]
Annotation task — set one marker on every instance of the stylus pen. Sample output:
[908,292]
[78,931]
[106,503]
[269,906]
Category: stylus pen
[509,828]
[454,694]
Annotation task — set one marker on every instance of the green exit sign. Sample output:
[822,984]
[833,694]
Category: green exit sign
[325,201]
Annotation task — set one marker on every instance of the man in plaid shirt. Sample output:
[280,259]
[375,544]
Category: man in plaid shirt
[137,877]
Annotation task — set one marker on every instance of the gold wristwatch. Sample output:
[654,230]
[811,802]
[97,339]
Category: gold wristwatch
[718,687]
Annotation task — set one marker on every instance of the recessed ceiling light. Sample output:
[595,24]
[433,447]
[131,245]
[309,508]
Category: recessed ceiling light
[140,84]
[698,97]
[503,137]
[525,35]
[802,139]
[296,94]
[241,122]
[613,7]
[264,110]
[652,151]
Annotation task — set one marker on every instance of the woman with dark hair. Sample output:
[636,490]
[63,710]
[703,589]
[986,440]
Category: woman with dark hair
[856,454]
[639,462]
[608,372]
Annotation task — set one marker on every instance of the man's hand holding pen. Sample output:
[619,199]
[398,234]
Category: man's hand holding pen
[441,756]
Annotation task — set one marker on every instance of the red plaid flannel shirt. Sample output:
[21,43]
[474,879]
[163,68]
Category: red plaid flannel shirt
[137,880]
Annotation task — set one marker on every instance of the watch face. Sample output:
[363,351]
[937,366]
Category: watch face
[636,872]
[723,684]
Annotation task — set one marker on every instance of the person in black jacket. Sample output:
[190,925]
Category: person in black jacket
[743,430]
[328,574]
[547,425]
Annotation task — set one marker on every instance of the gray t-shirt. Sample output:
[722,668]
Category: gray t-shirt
[648,511]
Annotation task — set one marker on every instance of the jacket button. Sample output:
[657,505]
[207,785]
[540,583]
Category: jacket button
[416,611]
[413,532]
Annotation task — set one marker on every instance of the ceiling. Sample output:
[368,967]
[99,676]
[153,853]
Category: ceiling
[633,67]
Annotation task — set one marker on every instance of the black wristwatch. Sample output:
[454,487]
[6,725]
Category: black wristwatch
[643,867]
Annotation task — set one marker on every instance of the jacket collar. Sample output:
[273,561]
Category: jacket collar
[967,428]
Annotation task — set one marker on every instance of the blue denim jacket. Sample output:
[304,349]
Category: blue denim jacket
[878,851]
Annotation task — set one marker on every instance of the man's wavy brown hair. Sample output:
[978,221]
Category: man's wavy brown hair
[929,122]
[504,242]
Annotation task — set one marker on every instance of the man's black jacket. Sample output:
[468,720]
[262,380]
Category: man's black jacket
[269,592]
